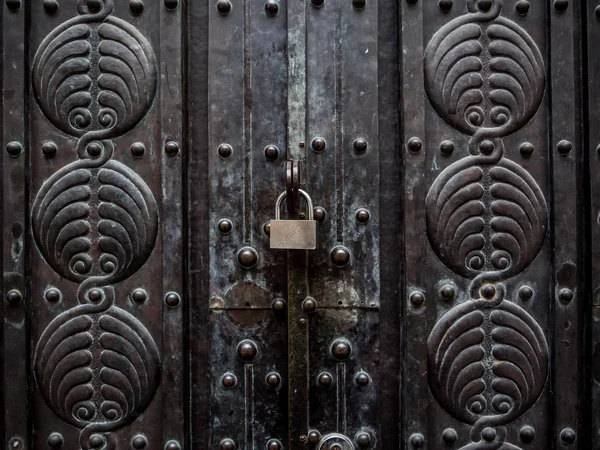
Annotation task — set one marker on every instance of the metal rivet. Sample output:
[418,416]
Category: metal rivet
[445,5]
[274,444]
[95,295]
[225,226]
[314,437]
[447,147]
[449,435]
[55,440]
[522,7]
[271,151]
[94,5]
[273,379]
[14,297]
[49,149]
[341,350]
[318,144]
[271,8]
[247,257]
[526,149]
[97,441]
[137,149]
[172,148]
[363,439]
[448,292]
[487,147]
[247,349]
[414,145]
[172,299]
[362,379]
[362,216]
[488,434]
[412,2]
[360,145]
[94,149]
[359,4]
[340,256]
[319,213]
[488,291]
[568,436]
[417,298]
[525,292]
[278,304]
[224,7]
[302,438]
[564,147]
[228,380]
[317,3]
[527,434]
[417,440]
[565,295]
[52,295]
[225,150]
[267,228]
[561,5]
[598,12]
[325,379]
[484,5]
[171,4]
[51,6]
[15,443]
[173,445]
[14,148]
[139,442]
[309,304]
[302,321]
[136,6]
[139,295]
[13,5]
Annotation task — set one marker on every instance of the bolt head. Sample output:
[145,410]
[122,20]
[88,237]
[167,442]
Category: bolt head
[274,444]
[522,7]
[309,304]
[247,350]
[362,379]
[94,149]
[271,151]
[49,149]
[172,148]
[488,291]
[172,299]
[360,145]
[487,147]
[52,295]
[97,441]
[414,145]
[273,379]
[340,256]
[527,434]
[95,295]
[565,295]
[525,292]
[484,5]
[314,437]
[363,216]
[137,149]
[318,144]
[247,257]
[325,379]
[173,445]
[417,440]
[561,5]
[224,7]
[319,213]
[417,298]
[139,442]
[225,150]
[139,295]
[448,292]
[449,435]
[271,8]
[488,434]
[228,380]
[564,147]
[568,436]
[225,226]
[341,350]
[171,4]
[447,147]
[526,149]
[14,148]
[278,304]
[55,440]
[136,6]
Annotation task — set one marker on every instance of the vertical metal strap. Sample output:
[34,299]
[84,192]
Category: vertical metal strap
[568,237]
[174,152]
[15,158]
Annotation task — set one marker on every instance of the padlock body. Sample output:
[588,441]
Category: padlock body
[294,234]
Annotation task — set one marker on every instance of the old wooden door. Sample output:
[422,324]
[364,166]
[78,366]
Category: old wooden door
[451,300]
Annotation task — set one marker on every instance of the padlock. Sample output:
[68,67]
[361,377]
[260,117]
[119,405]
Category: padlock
[294,234]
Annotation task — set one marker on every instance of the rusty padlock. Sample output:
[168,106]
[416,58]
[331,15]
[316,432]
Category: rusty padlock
[294,234]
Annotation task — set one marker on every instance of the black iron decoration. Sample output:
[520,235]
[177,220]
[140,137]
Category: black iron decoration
[486,221]
[95,222]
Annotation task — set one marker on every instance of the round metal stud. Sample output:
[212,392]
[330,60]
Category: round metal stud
[247,257]
[51,6]
[359,4]
[325,379]
[95,295]
[318,144]
[97,441]
[448,292]
[49,149]
[273,379]
[487,147]
[522,7]
[271,8]
[314,437]
[14,148]
[526,149]
[565,295]
[340,256]
[271,151]
[278,304]
[274,444]
[139,295]
[317,3]
[360,145]
[568,436]
[172,300]
[363,439]
[173,445]
[247,350]
[564,147]
[94,149]
[449,435]
[55,440]
[319,213]
[172,148]
[445,5]
[139,442]
[224,7]
[225,226]
[94,5]
[412,2]
[488,434]
[225,150]
[561,5]
[447,147]
[309,304]
[138,149]
[341,350]
[267,228]
[171,4]
[414,145]
[597,12]
[136,6]
[527,434]
[488,291]
[484,5]
[52,295]
[417,298]
[13,5]
[228,380]
[362,379]
[363,216]
[417,440]
[525,292]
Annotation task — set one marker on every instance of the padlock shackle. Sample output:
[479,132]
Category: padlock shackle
[303,194]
